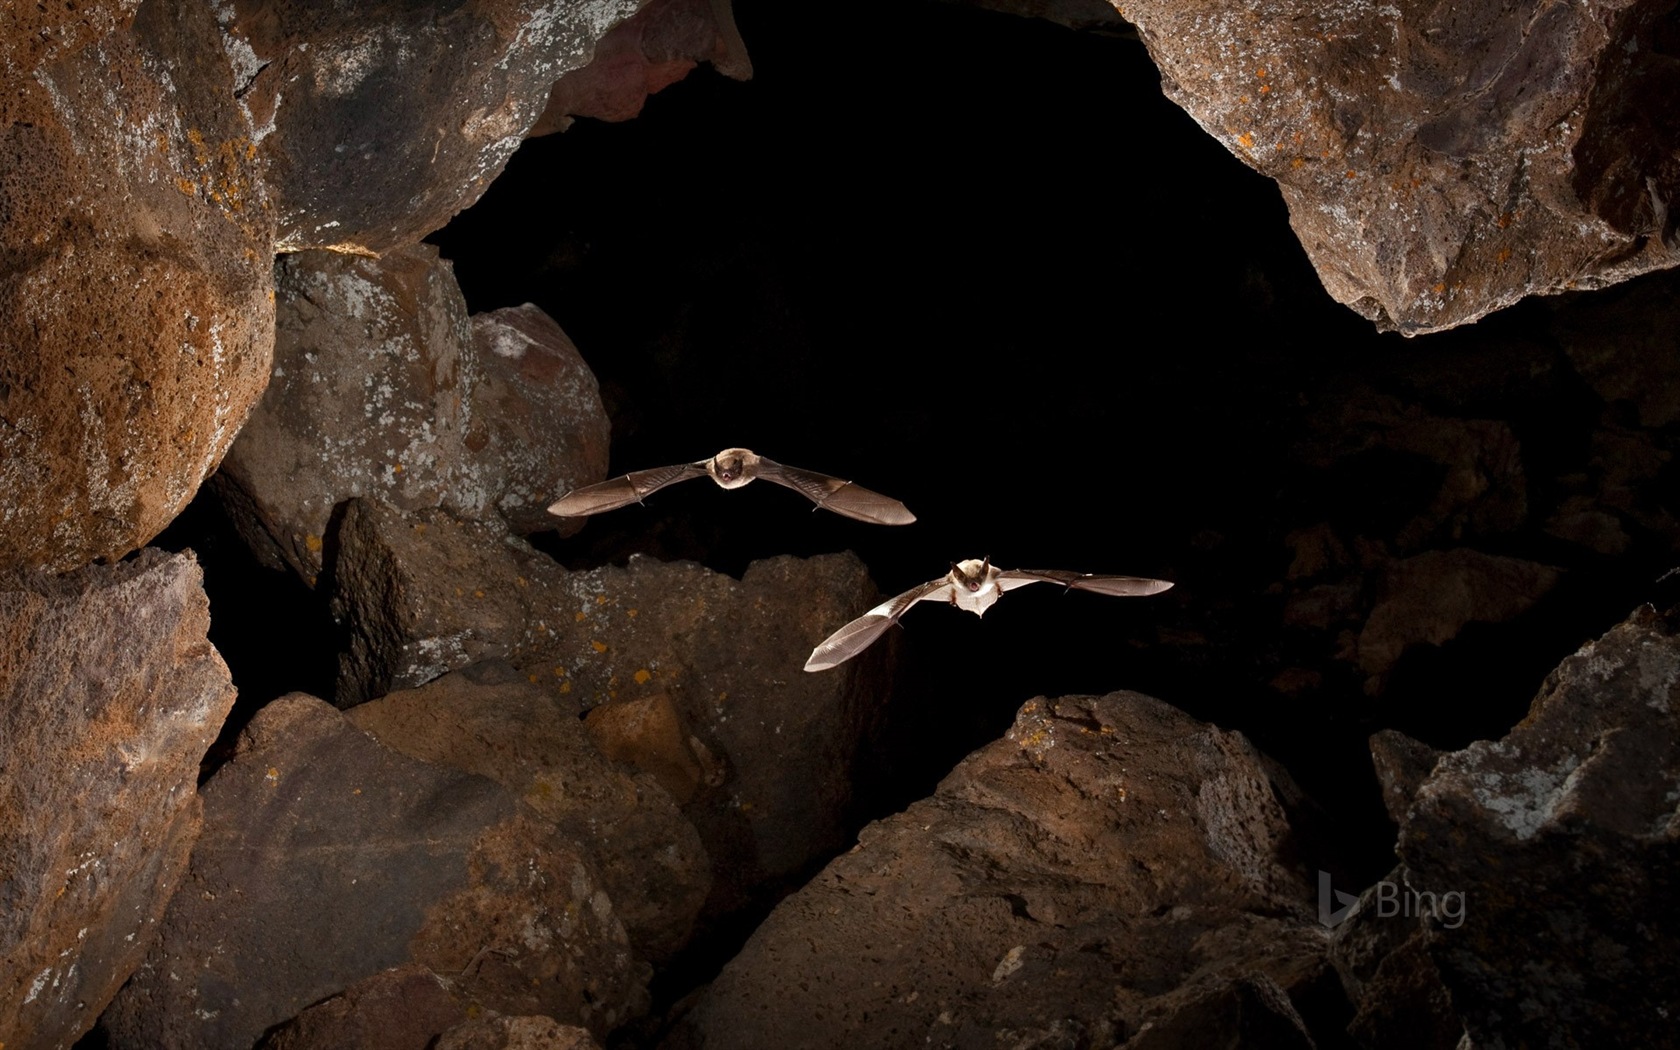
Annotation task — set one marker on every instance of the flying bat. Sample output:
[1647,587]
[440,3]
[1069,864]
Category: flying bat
[974,585]
[732,468]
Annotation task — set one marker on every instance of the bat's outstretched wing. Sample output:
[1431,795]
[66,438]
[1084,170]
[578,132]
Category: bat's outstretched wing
[841,497]
[1118,586]
[623,491]
[861,633]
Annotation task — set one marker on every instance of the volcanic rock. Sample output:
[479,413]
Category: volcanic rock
[1439,161]
[404,1008]
[109,696]
[136,319]
[1104,864]
[516,1033]
[492,722]
[327,858]
[378,122]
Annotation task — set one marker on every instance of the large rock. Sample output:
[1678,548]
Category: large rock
[490,721]
[657,47]
[383,386]
[135,292]
[1562,841]
[379,122]
[109,696]
[1108,867]
[1441,162]
[327,858]
[424,594]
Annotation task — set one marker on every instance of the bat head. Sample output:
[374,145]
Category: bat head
[971,575]
[733,465]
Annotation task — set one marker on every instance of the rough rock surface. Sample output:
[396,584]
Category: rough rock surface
[1439,161]
[404,1008]
[516,1033]
[490,721]
[642,56]
[1383,959]
[109,696]
[135,288]
[379,122]
[1563,839]
[382,385]
[424,594]
[326,858]
[1104,864]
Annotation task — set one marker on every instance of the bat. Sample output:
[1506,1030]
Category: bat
[974,585]
[732,468]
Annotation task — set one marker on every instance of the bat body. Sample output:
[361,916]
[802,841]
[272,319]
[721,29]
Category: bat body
[974,585]
[731,469]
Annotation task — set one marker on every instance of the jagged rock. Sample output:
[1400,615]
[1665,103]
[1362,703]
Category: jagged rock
[326,858]
[647,732]
[383,386]
[378,122]
[1562,838]
[109,696]
[1381,952]
[492,722]
[643,55]
[135,289]
[516,1033]
[423,594]
[1432,597]
[1442,162]
[1402,764]
[1250,1010]
[1063,882]
[404,1008]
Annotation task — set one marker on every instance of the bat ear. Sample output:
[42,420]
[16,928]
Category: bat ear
[986,565]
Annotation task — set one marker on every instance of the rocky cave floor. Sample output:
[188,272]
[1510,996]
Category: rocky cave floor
[469,780]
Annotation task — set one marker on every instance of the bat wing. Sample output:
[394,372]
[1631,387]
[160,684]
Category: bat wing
[1118,586]
[623,491]
[841,497]
[861,633]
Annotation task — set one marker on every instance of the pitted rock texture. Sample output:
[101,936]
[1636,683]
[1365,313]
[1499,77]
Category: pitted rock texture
[490,721]
[136,315]
[1564,841]
[642,56]
[1443,161]
[326,858]
[1105,862]
[423,594]
[382,385]
[403,1008]
[109,696]
[516,1033]
[379,122]
[1382,957]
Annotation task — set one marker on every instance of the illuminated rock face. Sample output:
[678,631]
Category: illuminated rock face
[1442,161]
[136,313]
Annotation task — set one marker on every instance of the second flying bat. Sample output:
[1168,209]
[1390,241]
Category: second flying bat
[732,468]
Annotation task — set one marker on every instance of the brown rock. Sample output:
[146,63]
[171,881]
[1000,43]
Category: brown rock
[326,858]
[135,290]
[647,732]
[1442,162]
[642,56]
[1431,597]
[516,1033]
[1061,882]
[405,1008]
[109,696]
[500,726]
[1383,959]
[382,386]
[1250,1010]
[1402,764]
[1562,840]
[379,122]
[424,594]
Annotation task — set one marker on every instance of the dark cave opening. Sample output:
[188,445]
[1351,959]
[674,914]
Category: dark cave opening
[982,264]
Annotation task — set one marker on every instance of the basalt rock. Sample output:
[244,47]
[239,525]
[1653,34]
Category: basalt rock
[1440,162]
[136,319]
[404,1008]
[516,1033]
[1562,839]
[109,696]
[327,858]
[383,386]
[378,122]
[1109,866]
[658,46]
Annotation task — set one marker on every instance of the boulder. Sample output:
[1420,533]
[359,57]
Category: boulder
[136,313]
[327,858]
[403,1008]
[110,694]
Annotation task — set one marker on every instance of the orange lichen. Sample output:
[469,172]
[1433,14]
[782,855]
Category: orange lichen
[598,646]
[642,676]
[1246,140]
